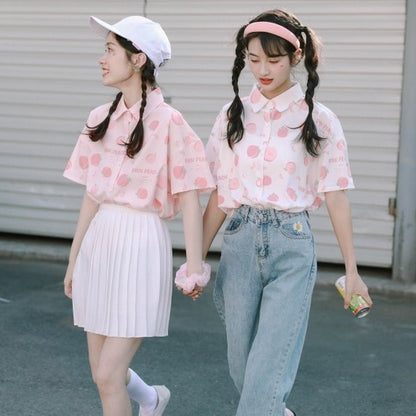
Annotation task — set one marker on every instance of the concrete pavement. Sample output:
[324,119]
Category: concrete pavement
[349,366]
[57,250]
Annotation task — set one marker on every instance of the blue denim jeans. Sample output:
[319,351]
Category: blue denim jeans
[263,293]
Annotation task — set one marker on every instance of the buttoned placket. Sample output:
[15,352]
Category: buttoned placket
[265,137]
[128,121]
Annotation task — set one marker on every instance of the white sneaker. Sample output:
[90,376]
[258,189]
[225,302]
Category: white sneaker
[163,396]
[289,412]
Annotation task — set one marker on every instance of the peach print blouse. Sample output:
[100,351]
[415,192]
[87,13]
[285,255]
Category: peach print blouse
[172,159]
[269,167]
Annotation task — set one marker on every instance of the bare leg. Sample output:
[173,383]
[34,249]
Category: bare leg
[110,358]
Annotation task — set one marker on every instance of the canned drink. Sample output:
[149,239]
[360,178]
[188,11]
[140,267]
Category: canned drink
[358,306]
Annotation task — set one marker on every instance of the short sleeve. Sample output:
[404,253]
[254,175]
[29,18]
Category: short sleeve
[213,145]
[78,164]
[334,166]
[187,165]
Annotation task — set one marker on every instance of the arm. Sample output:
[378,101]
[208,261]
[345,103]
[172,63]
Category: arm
[339,211]
[192,227]
[86,214]
[192,221]
[213,218]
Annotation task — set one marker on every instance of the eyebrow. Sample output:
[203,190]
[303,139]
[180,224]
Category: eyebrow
[271,56]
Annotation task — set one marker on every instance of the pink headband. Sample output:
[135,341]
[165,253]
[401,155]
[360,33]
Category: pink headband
[274,29]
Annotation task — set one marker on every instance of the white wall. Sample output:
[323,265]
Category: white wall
[49,81]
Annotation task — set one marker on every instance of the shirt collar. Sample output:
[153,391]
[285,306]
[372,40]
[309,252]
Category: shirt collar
[281,103]
[154,99]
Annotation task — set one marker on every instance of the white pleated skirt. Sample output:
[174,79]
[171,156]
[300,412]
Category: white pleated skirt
[122,281]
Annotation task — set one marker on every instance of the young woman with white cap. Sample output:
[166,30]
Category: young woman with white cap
[275,155]
[140,163]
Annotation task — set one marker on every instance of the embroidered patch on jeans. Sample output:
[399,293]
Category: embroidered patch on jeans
[297,226]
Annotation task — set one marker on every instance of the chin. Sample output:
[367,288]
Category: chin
[107,83]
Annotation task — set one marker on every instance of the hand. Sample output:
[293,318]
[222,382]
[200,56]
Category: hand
[192,285]
[194,294]
[354,285]
[68,283]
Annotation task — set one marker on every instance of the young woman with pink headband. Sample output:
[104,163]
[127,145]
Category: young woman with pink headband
[275,155]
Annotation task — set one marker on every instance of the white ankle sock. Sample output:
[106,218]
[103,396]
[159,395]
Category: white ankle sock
[141,392]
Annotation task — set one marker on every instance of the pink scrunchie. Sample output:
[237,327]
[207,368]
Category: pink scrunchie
[188,283]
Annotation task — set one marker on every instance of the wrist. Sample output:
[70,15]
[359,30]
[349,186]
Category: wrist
[194,268]
[351,267]
[187,281]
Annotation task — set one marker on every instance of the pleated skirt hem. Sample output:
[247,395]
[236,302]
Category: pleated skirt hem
[122,281]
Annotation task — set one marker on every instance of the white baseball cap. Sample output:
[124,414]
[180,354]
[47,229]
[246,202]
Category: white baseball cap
[146,35]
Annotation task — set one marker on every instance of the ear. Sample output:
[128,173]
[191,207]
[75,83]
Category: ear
[139,60]
[297,56]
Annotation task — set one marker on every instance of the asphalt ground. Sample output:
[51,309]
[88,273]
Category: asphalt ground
[349,366]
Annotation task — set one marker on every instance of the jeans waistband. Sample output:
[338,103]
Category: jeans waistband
[260,215]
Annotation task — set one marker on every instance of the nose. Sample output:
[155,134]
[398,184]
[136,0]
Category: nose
[101,59]
[264,68]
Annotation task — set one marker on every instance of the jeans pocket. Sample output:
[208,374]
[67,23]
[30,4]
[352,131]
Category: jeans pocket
[234,225]
[296,227]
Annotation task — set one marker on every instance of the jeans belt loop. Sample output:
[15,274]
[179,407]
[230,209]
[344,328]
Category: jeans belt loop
[246,209]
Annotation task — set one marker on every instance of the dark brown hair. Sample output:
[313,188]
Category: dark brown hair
[136,139]
[272,46]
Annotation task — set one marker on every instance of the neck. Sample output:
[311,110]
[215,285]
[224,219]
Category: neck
[132,90]
[131,98]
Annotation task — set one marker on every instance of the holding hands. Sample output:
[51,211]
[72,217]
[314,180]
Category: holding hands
[192,285]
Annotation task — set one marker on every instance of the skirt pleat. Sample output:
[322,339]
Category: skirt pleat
[122,281]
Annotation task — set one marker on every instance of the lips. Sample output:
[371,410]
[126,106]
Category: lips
[265,81]
[104,72]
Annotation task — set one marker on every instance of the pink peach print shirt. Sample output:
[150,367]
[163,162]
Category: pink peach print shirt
[269,167]
[172,159]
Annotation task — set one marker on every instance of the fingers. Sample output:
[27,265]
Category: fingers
[194,294]
[68,289]
[368,299]
[347,300]
[197,292]
[363,292]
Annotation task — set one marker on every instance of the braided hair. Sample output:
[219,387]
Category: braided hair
[272,46]
[135,142]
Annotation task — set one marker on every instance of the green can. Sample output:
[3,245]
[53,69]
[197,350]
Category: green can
[358,306]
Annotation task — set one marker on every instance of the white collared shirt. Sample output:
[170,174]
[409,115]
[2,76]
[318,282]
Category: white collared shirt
[269,167]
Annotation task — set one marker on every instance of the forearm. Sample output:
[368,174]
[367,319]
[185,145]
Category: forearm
[192,226]
[340,214]
[213,218]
